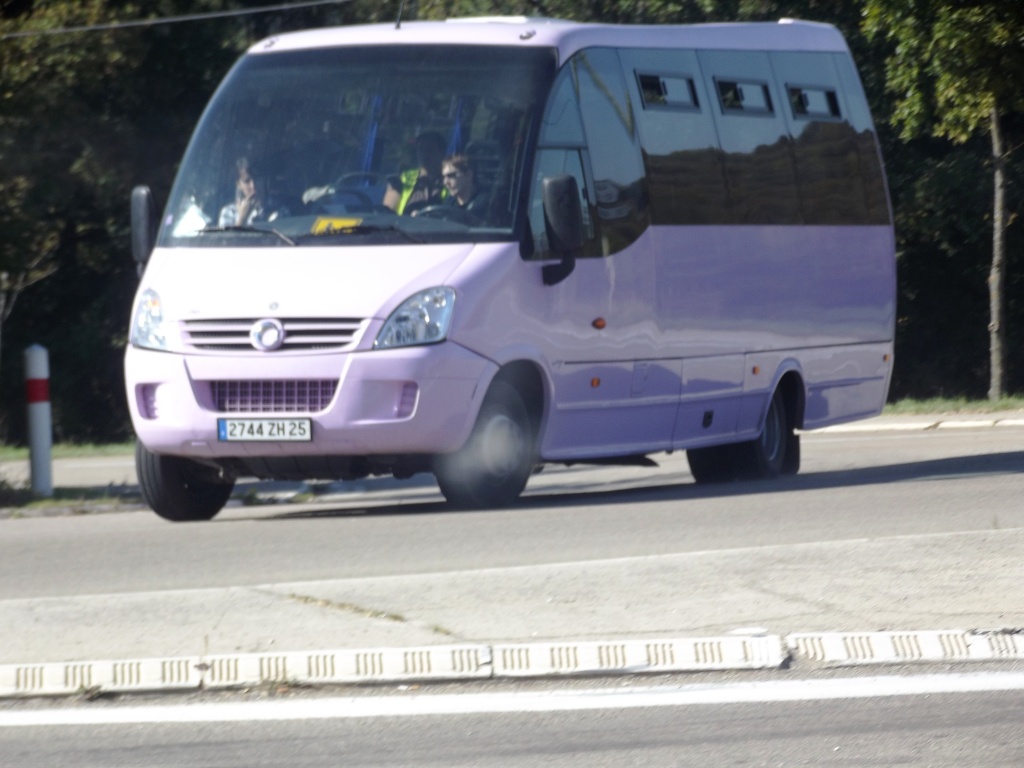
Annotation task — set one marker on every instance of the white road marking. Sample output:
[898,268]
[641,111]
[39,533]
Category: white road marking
[418,704]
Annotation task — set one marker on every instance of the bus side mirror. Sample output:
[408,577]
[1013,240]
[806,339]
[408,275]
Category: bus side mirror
[563,220]
[144,217]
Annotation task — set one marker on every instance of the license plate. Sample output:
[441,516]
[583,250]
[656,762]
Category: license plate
[269,430]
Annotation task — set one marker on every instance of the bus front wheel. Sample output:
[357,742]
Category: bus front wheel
[178,489]
[492,468]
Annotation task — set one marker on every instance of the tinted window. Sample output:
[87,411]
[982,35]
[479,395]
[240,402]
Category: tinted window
[685,168]
[672,91]
[744,96]
[830,170]
[813,102]
[562,150]
[753,135]
[561,126]
[875,198]
[619,183]
[557,162]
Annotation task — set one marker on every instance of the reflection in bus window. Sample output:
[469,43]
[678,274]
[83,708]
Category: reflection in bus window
[755,140]
[558,162]
[620,188]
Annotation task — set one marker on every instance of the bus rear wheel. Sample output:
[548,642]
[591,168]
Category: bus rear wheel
[764,457]
[776,451]
[716,464]
[178,489]
[492,468]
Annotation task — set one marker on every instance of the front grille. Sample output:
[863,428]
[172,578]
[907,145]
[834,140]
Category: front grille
[303,396]
[232,335]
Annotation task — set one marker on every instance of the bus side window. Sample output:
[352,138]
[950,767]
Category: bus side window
[875,195]
[561,150]
[620,184]
[558,162]
[824,143]
[685,167]
[754,137]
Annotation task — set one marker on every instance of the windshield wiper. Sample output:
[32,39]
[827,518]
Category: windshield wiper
[245,228]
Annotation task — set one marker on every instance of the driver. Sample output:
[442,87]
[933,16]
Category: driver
[422,186]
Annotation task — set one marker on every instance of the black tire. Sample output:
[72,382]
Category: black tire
[492,468]
[774,452]
[180,490]
[791,463]
[716,464]
[764,457]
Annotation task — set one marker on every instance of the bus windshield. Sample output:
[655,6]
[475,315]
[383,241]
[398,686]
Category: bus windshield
[358,145]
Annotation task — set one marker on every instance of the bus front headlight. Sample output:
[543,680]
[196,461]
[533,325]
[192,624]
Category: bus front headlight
[148,322]
[423,318]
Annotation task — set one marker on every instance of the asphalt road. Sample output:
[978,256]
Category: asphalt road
[886,531]
[895,530]
[597,728]
[852,487]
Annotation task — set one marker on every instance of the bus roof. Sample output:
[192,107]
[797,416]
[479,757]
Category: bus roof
[568,36]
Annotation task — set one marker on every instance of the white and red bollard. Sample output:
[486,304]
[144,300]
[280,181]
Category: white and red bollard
[40,420]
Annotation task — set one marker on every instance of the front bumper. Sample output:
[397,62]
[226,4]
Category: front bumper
[415,400]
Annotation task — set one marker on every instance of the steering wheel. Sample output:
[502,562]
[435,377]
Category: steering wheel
[362,199]
[448,212]
[354,200]
[362,179]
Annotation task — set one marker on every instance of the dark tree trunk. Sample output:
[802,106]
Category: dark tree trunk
[997,274]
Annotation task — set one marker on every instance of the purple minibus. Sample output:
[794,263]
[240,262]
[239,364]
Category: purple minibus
[474,247]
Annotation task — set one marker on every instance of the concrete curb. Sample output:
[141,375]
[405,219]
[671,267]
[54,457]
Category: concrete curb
[840,649]
[924,423]
[470,662]
[464,662]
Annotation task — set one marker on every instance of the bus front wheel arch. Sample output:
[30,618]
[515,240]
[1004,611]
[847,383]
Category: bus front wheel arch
[492,468]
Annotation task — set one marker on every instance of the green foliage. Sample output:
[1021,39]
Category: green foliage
[955,70]
[940,193]
[83,118]
[952,62]
[961,405]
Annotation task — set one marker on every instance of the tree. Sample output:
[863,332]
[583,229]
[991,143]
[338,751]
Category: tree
[21,268]
[84,116]
[956,71]
[31,203]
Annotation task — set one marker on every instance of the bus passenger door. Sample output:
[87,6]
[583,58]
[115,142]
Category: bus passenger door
[612,394]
